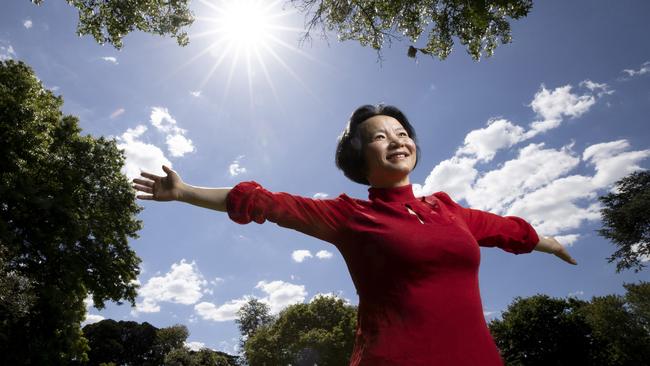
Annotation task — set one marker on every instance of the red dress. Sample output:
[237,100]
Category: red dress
[419,300]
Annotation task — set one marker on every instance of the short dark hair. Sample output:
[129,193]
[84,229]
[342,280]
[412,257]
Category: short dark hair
[349,150]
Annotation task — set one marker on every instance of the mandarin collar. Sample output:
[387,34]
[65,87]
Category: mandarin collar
[393,194]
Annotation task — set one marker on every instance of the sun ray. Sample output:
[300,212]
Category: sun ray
[249,33]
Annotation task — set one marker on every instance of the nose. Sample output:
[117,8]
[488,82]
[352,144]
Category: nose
[395,140]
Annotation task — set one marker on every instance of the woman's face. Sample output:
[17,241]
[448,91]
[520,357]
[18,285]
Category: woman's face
[384,138]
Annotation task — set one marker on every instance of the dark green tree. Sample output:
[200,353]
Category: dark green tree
[169,338]
[626,221]
[204,357]
[66,215]
[108,21]
[624,339]
[320,332]
[477,24]
[541,330]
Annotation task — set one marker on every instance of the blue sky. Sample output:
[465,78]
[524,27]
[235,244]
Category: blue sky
[539,130]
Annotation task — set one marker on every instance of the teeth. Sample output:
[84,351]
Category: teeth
[393,156]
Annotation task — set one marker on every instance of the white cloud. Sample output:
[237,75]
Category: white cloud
[110,59]
[320,195]
[644,69]
[600,88]
[281,294]
[224,312]
[643,257]
[533,168]
[140,155]
[195,346]
[177,144]
[6,51]
[567,240]
[116,113]
[553,105]
[183,284]
[485,142]
[27,23]
[536,185]
[612,162]
[235,167]
[195,93]
[454,176]
[90,318]
[324,254]
[300,255]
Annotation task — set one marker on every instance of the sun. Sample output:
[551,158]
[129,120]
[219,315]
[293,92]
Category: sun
[250,33]
[245,23]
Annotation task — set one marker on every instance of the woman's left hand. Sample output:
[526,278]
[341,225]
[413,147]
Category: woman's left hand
[548,244]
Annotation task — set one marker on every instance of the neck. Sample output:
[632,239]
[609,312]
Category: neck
[389,184]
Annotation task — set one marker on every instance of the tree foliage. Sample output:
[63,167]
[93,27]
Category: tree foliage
[626,221]
[609,330]
[477,24]
[142,344]
[320,332]
[108,21]
[66,214]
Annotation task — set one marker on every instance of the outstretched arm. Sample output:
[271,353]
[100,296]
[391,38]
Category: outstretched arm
[172,188]
[548,244]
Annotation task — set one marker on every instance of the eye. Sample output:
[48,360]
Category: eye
[404,134]
[378,136]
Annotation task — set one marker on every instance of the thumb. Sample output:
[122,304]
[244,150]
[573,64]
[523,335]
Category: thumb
[166,169]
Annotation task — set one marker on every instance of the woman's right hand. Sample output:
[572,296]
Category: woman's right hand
[166,188]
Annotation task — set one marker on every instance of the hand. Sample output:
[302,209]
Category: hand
[548,244]
[161,188]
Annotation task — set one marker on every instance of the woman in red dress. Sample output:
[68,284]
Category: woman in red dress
[414,260]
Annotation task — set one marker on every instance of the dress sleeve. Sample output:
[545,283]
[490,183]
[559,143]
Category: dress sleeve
[320,218]
[510,233]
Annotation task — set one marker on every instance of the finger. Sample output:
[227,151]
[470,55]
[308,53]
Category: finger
[145,197]
[150,176]
[166,169]
[143,188]
[566,257]
[147,183]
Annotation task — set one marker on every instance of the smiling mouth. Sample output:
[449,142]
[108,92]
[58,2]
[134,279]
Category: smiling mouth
[397,157]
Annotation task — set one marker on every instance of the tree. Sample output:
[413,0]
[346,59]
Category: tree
[320,332]
[250,317]
[169,338]
[66,214]
[108,21]
[610,330]
[541,330]
[626,221]
[478,24]
[625,341]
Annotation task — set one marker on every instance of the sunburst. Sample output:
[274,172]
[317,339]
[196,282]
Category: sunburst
[249,33]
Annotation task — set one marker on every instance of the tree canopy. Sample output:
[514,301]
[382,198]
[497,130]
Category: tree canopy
[132,343]
[109,21]
[66,215]
[608,330]
[479,25]
[320,332]
[626,221]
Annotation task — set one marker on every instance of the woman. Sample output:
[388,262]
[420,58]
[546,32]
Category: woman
[414,261]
